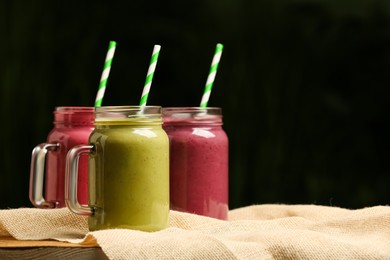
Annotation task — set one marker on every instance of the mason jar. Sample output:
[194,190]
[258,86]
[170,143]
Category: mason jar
[72,126]
[128,155]
[198,160]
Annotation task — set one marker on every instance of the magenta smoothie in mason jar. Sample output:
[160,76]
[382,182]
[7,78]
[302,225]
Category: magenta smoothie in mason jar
[72,126]
[198,160]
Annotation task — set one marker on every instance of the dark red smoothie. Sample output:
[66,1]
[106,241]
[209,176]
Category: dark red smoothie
[72,126]
[198,161]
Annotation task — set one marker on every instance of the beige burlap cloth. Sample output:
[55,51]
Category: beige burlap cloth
[253,232]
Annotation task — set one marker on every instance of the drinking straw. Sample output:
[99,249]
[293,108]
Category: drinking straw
[149,76]
[211,76]
[105,73]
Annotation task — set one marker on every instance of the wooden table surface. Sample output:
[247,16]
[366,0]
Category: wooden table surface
[71,253]
[11,248]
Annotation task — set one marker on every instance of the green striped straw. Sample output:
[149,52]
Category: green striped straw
[149,76]
[105,73]
[211,76]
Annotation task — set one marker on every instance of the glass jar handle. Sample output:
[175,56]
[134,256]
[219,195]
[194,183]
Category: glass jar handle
[71,174]
[37,170]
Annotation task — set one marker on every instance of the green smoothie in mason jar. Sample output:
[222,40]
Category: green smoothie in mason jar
[128,169]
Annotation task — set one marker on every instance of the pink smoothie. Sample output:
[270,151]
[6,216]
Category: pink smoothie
[71,127]
[198,165]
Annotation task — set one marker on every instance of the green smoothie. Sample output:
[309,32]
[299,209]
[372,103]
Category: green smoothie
[129,174]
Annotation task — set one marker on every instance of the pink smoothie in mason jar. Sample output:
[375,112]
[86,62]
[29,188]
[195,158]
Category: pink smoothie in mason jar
[198,160]
[72,126]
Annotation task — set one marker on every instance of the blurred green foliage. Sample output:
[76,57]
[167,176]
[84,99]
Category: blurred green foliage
[303,84]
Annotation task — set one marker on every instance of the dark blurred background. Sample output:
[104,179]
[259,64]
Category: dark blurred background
[304,86]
